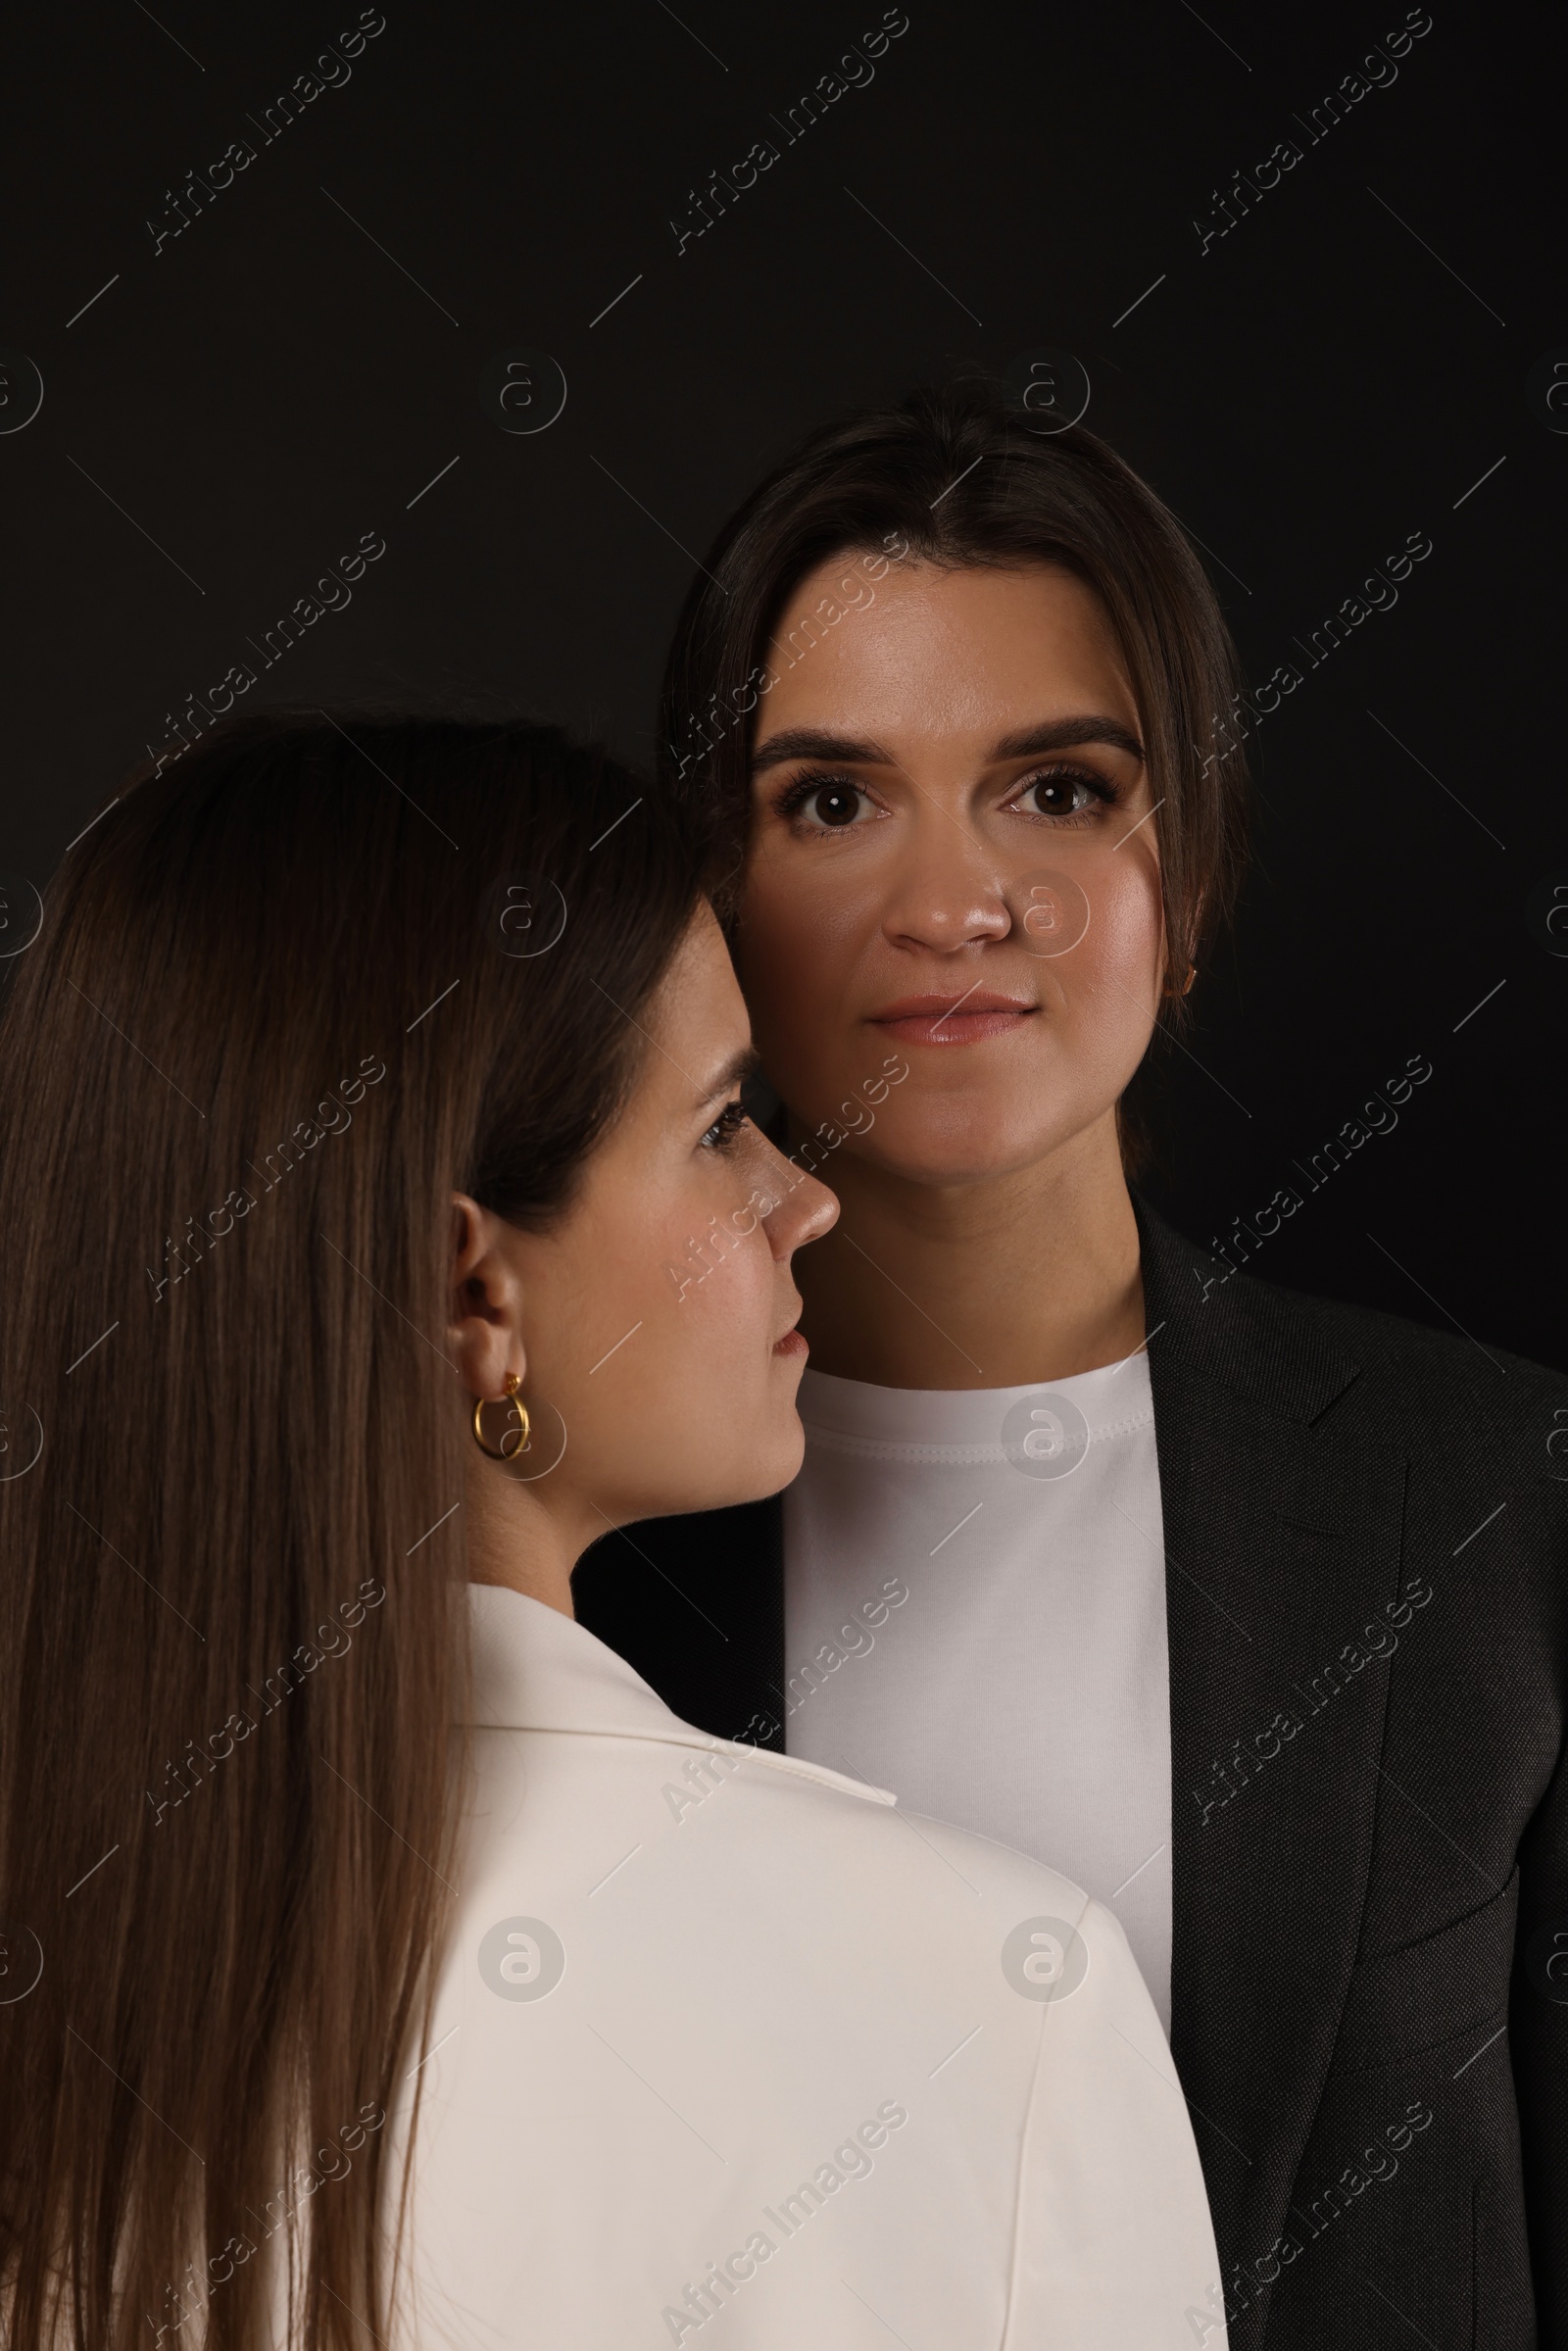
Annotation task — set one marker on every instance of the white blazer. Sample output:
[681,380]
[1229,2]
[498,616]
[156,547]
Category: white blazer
[730,2051]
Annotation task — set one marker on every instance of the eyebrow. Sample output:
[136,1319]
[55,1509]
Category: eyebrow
[1050,734]
[739,1065]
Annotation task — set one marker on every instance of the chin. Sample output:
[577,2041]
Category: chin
[963,1143]
[761,1459]
[773,1462]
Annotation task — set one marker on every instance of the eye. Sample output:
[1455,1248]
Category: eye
[824,804]
[1064,792]
[720,1136]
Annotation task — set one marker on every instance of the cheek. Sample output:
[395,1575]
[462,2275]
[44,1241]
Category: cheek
[1121,946]
[693,1412]
[662,1342]
[804,900]
[1109,983]
[798,949]
[708,1313]
[791,935]
[718,1298]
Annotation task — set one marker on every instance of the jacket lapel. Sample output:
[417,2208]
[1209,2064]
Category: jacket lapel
[1282,1540]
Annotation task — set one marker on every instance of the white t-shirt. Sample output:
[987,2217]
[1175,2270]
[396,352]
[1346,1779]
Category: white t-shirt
[974,1612]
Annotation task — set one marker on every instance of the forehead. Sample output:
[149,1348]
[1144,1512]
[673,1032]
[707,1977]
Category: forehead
[945,650]
[696,1016]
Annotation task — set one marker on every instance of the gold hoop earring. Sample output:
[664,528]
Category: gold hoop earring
[1186,987]
[503,1451]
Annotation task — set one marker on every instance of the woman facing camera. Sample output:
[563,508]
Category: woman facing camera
[384,1960]
[964,700]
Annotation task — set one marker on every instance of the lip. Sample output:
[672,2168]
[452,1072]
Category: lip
[793,1342]
[953,1020]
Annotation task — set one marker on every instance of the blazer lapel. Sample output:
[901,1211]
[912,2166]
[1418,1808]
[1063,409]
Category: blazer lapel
[1282,1543]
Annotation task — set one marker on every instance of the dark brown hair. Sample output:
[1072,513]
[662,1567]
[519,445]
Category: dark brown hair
[958,476]
[290,993]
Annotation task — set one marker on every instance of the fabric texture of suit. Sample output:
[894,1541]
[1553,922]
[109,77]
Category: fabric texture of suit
[724,2040]
[1367,1541]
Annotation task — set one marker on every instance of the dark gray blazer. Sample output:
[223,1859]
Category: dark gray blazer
[1366,1545]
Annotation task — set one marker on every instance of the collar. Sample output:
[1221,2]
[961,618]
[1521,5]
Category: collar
[1241,1333]
[535,1669]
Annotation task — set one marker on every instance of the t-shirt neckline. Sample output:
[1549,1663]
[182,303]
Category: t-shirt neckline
[1113,1399]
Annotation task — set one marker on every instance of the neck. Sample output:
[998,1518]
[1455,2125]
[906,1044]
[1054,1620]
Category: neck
[513,1537]
[999,1283]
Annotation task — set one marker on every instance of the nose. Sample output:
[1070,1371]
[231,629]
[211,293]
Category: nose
[946,894]
[801,1209]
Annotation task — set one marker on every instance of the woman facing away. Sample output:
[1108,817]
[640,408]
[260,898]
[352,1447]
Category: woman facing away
[364,1084]
[1245,1608]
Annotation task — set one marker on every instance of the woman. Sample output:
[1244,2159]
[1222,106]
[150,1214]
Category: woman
[967,707]
[373,1083]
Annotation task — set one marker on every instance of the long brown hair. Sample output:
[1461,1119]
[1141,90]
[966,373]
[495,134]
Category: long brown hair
[290,991]
[955,475]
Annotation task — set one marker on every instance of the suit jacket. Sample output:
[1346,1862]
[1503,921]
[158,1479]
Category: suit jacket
[1366,1544]
[720,2037]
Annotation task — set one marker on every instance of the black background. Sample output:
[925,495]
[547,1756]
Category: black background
[1334,375]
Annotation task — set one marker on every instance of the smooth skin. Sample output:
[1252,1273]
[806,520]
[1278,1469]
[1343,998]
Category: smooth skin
[674,1387]
[916,772]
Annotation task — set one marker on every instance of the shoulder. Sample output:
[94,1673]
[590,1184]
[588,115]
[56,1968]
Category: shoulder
[1435,1394]
[1433,1389]
[862,1847]
[984,1904]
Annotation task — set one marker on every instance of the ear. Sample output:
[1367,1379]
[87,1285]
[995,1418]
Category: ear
[485,1312]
